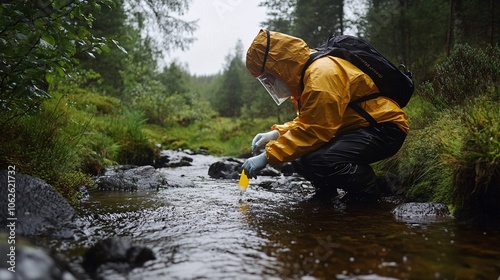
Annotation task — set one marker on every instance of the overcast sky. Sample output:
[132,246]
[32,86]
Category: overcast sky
[220,24]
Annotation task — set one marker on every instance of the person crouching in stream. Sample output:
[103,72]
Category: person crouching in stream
[328,143]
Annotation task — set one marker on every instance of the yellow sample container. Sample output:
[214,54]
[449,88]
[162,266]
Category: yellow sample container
[243,183]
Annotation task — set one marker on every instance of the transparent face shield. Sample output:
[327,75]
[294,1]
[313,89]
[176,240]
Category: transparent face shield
[278,90]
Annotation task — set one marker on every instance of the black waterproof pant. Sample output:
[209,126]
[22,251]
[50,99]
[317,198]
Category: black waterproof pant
[344,162]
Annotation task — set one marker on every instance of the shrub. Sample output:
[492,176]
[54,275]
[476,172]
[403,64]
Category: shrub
[465,75]
[98,150]
[162,108]
[476,162]
[134,146]
[39,41]
[93,103]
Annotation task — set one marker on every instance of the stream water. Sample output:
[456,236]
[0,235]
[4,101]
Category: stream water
[212,232]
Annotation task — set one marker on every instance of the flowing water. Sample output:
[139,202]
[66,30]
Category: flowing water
[212,232]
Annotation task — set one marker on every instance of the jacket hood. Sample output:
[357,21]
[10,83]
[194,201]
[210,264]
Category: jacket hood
[286,57]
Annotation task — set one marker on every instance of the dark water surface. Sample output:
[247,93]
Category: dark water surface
[211,232]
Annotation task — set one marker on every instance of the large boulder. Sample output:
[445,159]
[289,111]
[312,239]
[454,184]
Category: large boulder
[32,207]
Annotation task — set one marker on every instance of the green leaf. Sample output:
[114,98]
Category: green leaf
[45,45]
[59,70]
[117,44]
[105,48]
[68,46]
[39,24]
[122,49]
[49,39]
[83,32]
[90,54]
[21,36]
[49,77]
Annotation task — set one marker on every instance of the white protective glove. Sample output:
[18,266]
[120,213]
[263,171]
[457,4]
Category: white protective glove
[262,139]
[254,165]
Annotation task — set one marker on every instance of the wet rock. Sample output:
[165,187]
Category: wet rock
[170,158]
[115,255]
[28,262]
[37,207]
[123,178]
[176,180]
[229,168]
[269,171]
[287,184]
[421,212]
[84,192]
[287,169]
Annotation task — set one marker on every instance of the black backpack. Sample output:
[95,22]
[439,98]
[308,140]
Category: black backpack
[389,79]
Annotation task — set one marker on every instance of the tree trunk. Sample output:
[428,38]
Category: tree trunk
[458,30]
[376,4]
[455,29]
[341,16]
[492,27]
[405,33]
[449,37]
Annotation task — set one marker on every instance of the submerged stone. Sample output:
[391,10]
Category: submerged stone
[421,212]
[115,255]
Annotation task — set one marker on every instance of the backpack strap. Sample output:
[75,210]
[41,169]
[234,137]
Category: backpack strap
[353,104]
[312,58]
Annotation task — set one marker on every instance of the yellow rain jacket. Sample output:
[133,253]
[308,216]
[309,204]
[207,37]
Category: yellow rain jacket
[330,83]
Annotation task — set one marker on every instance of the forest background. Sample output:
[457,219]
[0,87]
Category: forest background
[81,89]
